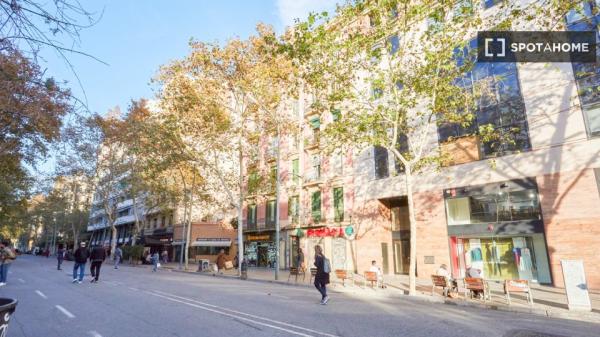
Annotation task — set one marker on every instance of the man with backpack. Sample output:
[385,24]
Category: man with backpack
[81,255]
[7,256]
[118,256]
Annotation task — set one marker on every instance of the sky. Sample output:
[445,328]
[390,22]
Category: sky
[135,37]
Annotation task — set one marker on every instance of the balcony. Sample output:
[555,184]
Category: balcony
[313,177]
[312,142]
[124,204]
[124,220]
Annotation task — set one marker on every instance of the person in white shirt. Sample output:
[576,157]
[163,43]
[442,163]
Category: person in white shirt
[443,271]
[377,270]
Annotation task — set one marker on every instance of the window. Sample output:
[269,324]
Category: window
[403,148]
[494,207]
[315,125]
[490,3]
[316,206]
[253,181]
[316,168]
[295,171]
[271,212]
[335,114]
[381,162]
[251,216]
[294,209]
[124,212]
[463,8]
[393,44]
[337,164]
[499,104]
[208,250]
[338,204]
[273,178]
[587,75]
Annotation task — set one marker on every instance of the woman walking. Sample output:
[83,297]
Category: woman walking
[323,270]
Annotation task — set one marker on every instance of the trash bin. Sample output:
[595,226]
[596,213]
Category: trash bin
[7,307]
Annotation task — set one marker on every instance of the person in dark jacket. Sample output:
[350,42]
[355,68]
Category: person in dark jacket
[322,278]
[60,256]
[96,258]
[81,255]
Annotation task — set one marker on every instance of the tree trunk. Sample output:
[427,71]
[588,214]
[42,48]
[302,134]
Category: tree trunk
[413,233]
[113,242]
[240,215]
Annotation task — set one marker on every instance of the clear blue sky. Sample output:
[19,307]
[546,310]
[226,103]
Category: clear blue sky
[136,37]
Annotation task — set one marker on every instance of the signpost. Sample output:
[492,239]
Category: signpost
[575,285]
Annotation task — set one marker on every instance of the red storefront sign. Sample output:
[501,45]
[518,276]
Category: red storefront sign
[325,231]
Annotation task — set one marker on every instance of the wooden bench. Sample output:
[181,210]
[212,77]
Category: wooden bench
[517,286]
[343,275]
[294,271]
[442,282]
[477,284]
[313,274]
[371,276]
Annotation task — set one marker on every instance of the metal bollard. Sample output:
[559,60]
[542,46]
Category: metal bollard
[244,270]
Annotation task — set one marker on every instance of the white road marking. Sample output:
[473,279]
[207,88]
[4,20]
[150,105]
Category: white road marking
[65,311]
[230,315]
[21,280]
[249,315]
[134,289]
[95,334]
[41,294]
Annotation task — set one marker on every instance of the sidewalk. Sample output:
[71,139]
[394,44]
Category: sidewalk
[548,301]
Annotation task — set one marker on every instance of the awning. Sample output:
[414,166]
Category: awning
[212,243]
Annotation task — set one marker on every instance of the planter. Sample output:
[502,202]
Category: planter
[7,307]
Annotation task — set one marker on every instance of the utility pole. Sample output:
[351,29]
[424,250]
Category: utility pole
[277,183]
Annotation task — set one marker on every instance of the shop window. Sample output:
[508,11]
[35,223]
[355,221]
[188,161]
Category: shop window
[494,207]
[338,204]
[294,209]
[587,75]
[316,206]
[381,162]
[271,213]
[251,216]
[207,250]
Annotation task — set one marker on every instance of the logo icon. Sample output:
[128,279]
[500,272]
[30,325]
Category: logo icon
[489,48]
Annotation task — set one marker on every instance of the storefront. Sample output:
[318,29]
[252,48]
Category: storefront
[498,229]
[260,250]
[159,240]
[335,242]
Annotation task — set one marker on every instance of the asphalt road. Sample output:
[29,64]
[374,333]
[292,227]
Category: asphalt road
[135,302]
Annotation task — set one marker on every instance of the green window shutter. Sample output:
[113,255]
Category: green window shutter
[338,203]
[295,170]
[316,206]
[315,123]
[335,114]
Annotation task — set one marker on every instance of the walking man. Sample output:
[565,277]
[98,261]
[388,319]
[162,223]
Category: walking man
[81,255]
[96,258]
[6,258]
[60,256]
[155,261]
[118,256]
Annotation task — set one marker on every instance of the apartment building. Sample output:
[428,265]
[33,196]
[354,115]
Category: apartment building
[513,209]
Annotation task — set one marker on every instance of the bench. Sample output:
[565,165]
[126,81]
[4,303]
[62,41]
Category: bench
[371,276]
[294,271]
[517,286]
[313,274]
[442,282]
[343,275]
[477,284]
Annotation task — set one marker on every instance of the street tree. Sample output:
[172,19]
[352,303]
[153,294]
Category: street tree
[395,70]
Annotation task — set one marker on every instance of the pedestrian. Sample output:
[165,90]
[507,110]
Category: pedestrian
[60,256]
[118,256]
[322,276]
[96,258]
[155,261]
[374,268]
[81,255]
[300,260]
[221,259]
[7,256]
[443,271]
[165,256]
[475,273]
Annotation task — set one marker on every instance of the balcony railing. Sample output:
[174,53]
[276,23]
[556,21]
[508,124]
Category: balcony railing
[313,177]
